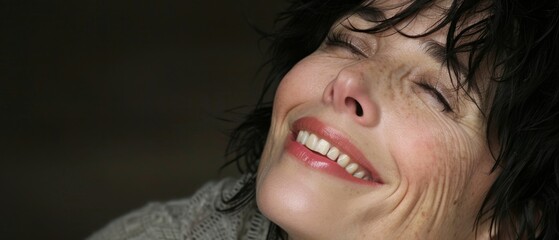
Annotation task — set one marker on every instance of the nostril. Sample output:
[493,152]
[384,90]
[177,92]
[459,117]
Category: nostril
[354,105]
[358,109]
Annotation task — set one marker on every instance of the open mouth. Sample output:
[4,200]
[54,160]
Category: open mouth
[325,148]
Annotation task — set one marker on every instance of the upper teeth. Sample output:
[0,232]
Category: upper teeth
[323,147]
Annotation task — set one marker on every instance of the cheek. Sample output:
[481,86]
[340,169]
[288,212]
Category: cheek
[305,82]
[434,151]
[287,94]
[444,173]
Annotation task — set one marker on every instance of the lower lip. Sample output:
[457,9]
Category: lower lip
[320,162]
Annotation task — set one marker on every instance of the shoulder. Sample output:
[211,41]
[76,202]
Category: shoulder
[196,217]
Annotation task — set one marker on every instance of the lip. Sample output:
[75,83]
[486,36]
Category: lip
[321,162]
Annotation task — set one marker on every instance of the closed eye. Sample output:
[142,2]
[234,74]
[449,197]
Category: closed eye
[437,95]
[345,41]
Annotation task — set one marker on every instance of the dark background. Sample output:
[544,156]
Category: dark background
[108,104]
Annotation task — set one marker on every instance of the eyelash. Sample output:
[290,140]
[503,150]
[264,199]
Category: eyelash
[344,41]
[436,94]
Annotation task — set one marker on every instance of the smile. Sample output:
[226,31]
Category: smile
[323,147]
[327,149]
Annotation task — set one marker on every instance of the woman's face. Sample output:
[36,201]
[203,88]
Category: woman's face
[410,160]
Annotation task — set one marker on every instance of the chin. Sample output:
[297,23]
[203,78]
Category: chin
[299,200]
[286,203]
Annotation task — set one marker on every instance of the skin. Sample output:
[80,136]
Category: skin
[435,165]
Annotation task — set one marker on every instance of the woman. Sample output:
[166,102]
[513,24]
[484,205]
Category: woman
[391,120]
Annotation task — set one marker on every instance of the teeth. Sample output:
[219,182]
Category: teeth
[343,160]
[323,147]
[311,142]
[333,153]
[302,137]
[351,168]
[359,174]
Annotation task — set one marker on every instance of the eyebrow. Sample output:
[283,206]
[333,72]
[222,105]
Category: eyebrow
[438,52]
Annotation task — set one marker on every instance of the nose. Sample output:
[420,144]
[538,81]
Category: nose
[349,93]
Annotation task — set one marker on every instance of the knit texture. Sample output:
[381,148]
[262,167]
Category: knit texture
[194,218]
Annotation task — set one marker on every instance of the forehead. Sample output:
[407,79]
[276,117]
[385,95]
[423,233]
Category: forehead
[426,11]
[391,7]
[433,10]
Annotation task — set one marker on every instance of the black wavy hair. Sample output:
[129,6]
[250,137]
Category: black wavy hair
[517,39]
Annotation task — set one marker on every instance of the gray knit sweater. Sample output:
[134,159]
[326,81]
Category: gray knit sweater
[192,218]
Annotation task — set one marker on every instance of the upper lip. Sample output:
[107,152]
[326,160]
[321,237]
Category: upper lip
[336,138]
